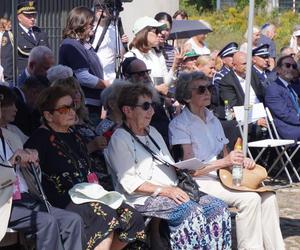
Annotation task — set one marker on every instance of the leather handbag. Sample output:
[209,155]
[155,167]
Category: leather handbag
[185,180]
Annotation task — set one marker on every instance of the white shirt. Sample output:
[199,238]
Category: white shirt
[253,98]
[107,51]
[207,138]
[27,30]
[199,50]
[155,62]
[133,165]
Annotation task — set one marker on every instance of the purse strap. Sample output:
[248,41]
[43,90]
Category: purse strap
[149,150]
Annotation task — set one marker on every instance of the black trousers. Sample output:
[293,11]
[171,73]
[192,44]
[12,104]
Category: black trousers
[59,229]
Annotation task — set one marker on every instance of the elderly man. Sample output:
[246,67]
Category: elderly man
[232,86]
[282,99]
[267,34]
[40,59]
[29,36]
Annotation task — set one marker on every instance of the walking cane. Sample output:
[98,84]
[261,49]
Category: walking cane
[37,181]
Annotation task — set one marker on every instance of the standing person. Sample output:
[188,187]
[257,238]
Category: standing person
[77,53]
[255,38]
[151,187]
[180,15]
[167,49]
[146,30]
[29,36]
[112,40]
[65,162]
[267,34]
[200,135]
[198,44]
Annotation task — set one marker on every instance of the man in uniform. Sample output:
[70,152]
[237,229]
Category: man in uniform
[29,36]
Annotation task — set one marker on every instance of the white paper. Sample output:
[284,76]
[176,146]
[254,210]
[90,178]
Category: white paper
[256,111]
[191,164]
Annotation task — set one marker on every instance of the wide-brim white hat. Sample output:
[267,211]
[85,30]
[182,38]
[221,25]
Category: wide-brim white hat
[91,192]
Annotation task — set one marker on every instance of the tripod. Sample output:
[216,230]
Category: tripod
[115,20]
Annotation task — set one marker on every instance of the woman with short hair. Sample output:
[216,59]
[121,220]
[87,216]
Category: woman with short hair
[151,186]
[65,162]
[201,135]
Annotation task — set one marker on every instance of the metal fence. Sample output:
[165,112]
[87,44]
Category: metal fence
[293,5]
[52,15]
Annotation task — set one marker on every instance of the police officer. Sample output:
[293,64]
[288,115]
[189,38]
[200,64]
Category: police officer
[29,36]
[260,62]
[226,55]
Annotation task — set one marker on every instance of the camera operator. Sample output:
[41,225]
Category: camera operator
[110,47]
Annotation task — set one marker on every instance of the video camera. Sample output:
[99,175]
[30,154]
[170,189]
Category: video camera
[111,6]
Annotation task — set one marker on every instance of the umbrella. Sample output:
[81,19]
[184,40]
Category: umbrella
[187,28]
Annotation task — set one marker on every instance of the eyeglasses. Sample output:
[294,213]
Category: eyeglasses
[63,110]
[155,31]
[289,65]
[201,89]
[141,73]
[146,105]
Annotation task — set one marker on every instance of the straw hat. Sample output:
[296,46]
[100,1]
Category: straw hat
[251,182]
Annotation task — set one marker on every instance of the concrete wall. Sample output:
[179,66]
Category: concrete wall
[139,8]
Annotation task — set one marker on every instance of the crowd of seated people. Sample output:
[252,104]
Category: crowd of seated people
[82,129]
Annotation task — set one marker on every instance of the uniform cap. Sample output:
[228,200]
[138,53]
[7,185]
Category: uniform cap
[26,7]
[228,50]
[262,51]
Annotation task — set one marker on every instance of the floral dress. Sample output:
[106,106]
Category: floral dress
[64,163]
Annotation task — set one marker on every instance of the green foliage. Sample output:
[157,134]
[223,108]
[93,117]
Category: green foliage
[230,25]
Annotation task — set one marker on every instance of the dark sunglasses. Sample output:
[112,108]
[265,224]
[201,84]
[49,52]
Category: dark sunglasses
[201,89]
[146,105]
[289,65]
[153,30]
[64,109]
[141,73]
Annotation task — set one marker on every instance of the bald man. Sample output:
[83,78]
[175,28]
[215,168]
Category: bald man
[232,86]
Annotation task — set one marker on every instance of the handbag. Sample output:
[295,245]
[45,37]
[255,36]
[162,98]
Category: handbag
[185,180]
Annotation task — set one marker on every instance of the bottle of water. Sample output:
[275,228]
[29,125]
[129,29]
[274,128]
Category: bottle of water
[237,170]
[228,112]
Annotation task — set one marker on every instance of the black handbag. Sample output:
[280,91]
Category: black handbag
[185,180]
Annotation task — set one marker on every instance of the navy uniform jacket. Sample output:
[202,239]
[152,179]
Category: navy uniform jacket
[219,75]
[266,77]
[25,45]
[286,117]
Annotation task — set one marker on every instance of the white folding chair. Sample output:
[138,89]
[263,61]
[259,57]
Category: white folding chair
[256,112]
[288,156]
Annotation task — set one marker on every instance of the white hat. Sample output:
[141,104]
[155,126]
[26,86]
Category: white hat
[91,192]
[144,22]
[7,179]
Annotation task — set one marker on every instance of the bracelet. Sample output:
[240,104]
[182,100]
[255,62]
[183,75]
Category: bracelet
[156,192]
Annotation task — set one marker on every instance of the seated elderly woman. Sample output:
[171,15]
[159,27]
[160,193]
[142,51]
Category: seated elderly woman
[151,187]
[65,162]
[201,135]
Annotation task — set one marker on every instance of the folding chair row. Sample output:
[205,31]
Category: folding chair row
[280,146]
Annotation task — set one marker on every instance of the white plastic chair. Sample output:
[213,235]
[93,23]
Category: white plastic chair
[288,156]
[256,112]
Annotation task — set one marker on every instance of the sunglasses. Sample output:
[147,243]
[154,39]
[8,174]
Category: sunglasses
[201,89]
[141,73]
[289,65]
[155,31]
[146,105]
[64,109]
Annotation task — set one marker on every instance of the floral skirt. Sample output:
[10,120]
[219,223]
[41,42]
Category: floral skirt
[203,225]
[100,220]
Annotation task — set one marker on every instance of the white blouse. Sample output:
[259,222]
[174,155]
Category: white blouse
[207,138]
[133,165]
